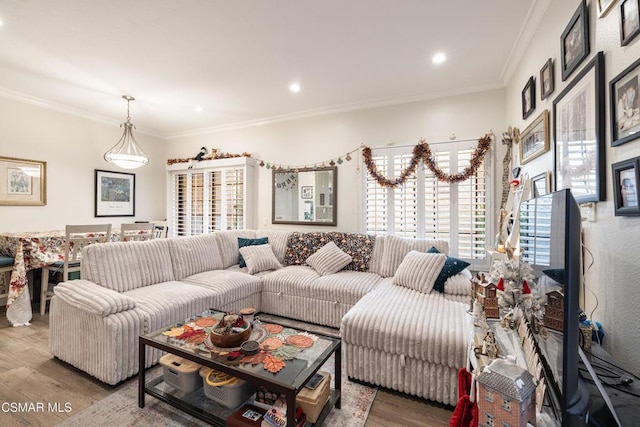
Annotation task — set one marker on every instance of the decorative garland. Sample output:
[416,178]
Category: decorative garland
[423,152]
[215,154]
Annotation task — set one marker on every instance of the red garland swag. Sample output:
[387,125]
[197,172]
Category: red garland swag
[423,152]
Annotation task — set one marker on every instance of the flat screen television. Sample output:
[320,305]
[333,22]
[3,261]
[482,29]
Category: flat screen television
[550,241]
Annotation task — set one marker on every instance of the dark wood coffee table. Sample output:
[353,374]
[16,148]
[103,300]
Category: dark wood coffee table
[288,382]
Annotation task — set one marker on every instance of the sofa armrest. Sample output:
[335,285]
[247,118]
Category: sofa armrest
[93,298]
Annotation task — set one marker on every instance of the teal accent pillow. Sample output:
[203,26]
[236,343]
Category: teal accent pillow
[242,242]
[452,266]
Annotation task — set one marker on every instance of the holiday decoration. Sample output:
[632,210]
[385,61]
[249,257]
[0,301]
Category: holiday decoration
[422,151]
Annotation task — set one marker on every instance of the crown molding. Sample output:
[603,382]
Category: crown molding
[60,108]
[533,19]
[365,105]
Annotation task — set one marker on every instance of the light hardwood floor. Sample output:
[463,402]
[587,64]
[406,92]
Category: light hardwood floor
[29,374]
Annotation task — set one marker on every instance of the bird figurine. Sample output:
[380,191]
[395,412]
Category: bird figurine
[203,152]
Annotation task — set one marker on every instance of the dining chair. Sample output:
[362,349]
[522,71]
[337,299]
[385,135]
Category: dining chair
[6,266]
[76,237]
[136,231]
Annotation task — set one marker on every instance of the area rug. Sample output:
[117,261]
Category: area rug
[121,407]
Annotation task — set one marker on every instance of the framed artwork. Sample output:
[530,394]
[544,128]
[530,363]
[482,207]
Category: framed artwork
[625,105]
[574,42]
[578,129]
[306,192]
[546,79]
[115,193]
[626,177]
[604,6]
[629,21]
[529,98]
[23,182]
[541,184]
[535,138]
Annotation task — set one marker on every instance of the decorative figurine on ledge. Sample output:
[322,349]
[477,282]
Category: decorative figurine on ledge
[489,345]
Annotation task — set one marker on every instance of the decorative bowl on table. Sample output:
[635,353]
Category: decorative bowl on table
[232,339]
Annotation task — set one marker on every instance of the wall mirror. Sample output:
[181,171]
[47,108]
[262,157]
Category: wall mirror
[305,197]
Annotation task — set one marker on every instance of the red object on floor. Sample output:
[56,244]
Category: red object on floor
[466,412]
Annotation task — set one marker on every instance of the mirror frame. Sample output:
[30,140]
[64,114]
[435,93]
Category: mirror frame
[333,222]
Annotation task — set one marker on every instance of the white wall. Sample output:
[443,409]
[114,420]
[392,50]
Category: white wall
[612,282]
[73,149]
[313,140]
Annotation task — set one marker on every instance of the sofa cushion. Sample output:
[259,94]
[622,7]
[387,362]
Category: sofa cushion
[228,286]
[292,280]
[345,286]
[242,242]
[191,255]
[278,241]
[395,249]
[259,258]
[170,302]
[123,266]
[451,267]
[399,320]
[329,259]
[419,271]
[228,244]
[358,246]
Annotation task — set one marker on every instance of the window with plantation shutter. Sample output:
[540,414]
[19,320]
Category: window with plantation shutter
[426,207]
[211,196]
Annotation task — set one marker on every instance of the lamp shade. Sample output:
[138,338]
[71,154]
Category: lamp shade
[127,153]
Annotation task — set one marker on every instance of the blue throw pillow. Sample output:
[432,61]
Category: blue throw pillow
[242,242]
[452,266]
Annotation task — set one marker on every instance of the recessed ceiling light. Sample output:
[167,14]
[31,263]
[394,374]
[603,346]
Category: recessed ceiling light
[199,109]
[439,58]
[294,87]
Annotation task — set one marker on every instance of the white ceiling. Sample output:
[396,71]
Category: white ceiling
[237,58]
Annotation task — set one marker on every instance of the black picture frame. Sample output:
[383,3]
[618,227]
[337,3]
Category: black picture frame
[579,137]
[115,193]
[626,179]
[574,42]
[624,105]
[546,79]
[629,21]
[529,98]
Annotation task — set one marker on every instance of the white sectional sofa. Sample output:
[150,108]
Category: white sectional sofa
[393,336]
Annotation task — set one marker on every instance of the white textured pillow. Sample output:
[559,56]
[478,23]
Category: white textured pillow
[260,258]
[419,271]
[329,259]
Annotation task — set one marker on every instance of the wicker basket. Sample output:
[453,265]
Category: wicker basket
[232,392]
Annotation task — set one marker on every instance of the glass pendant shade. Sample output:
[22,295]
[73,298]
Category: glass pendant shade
[127,153]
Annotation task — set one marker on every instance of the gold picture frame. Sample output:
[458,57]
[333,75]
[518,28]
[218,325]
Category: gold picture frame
[23,182]
[535,138]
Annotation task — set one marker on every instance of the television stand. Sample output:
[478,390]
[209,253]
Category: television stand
[623,394]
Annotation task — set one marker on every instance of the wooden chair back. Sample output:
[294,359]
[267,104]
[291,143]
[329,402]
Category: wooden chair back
[136,231]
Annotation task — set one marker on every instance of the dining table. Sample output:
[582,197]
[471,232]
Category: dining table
[31,250]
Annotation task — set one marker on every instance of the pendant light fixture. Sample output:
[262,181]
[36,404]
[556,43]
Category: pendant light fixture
[127,153]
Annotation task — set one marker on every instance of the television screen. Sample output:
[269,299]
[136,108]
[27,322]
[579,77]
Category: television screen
[550,241]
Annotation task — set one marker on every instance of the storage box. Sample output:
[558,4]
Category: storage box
[180,373]
[232,392]
[246,416]
[312,401]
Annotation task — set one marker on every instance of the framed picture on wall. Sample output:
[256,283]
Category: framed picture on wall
[574,42]
[306,192]
[529,98]
[546,79]
[115,193]
[578,128]
[629,21]
[535,138]
[624,105]
[626,178]
[604,6]
[23,182]
[541,184]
